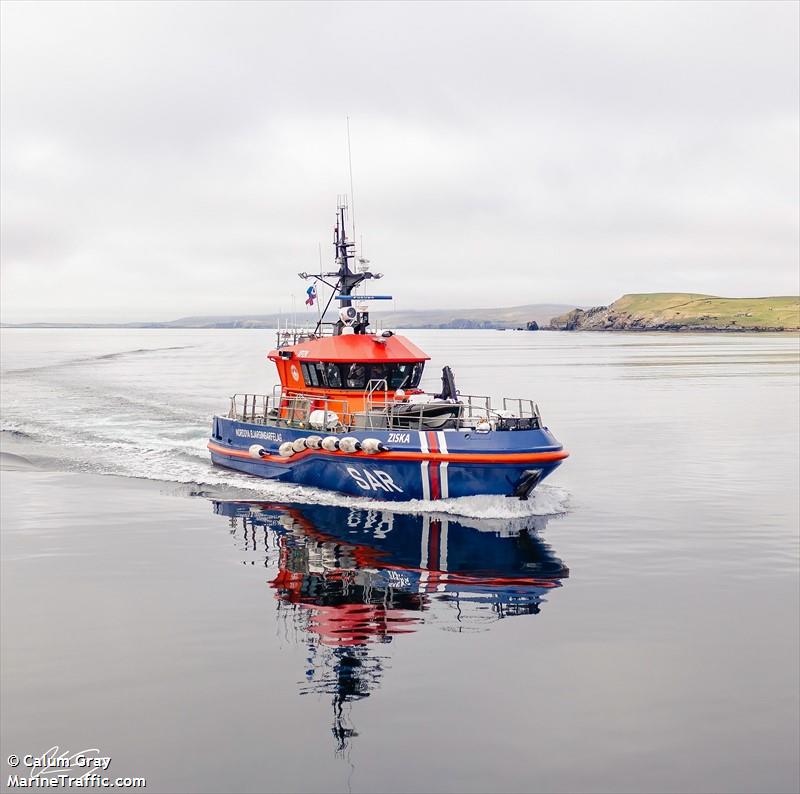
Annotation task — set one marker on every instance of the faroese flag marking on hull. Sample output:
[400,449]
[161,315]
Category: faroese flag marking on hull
[435,484]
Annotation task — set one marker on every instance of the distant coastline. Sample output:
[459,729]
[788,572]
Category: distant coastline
[493,318]
[655,311]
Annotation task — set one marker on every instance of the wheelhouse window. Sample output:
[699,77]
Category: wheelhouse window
[310,374]
[405,376]
[356,375]
[379,372]
[333,375]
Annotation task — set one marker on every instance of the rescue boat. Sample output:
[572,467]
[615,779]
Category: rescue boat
[349,414]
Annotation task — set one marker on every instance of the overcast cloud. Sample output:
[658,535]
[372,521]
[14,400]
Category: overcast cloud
[167,159]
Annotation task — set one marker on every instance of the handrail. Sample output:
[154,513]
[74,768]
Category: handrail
[297,334]
[285,337]
[525,408]
[378,411]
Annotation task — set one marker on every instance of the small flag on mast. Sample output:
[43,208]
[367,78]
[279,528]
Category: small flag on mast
[312,295]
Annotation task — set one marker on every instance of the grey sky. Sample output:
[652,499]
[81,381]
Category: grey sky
[166,159]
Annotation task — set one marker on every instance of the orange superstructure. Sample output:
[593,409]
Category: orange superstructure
[341,369]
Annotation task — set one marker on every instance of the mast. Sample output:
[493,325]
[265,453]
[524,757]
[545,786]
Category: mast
[345,251]
[347,278]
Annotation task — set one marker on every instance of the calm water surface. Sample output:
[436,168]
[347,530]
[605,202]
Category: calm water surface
[634,627]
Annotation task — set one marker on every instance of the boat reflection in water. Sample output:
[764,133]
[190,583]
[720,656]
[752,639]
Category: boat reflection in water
[348,580]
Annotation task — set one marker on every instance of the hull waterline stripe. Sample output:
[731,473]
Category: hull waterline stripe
[452,457]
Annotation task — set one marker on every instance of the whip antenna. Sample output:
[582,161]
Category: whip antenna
[352,198]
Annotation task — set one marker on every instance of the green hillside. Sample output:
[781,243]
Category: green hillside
[687,311]
[771,312]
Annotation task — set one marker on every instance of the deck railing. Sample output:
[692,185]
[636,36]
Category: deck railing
[296,335]
[377,411]
[249,408]
[523,408]
[293,410]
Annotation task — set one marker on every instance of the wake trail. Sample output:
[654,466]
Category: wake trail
[91,359]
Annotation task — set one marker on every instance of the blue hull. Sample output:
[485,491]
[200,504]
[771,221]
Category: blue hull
[420,464]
